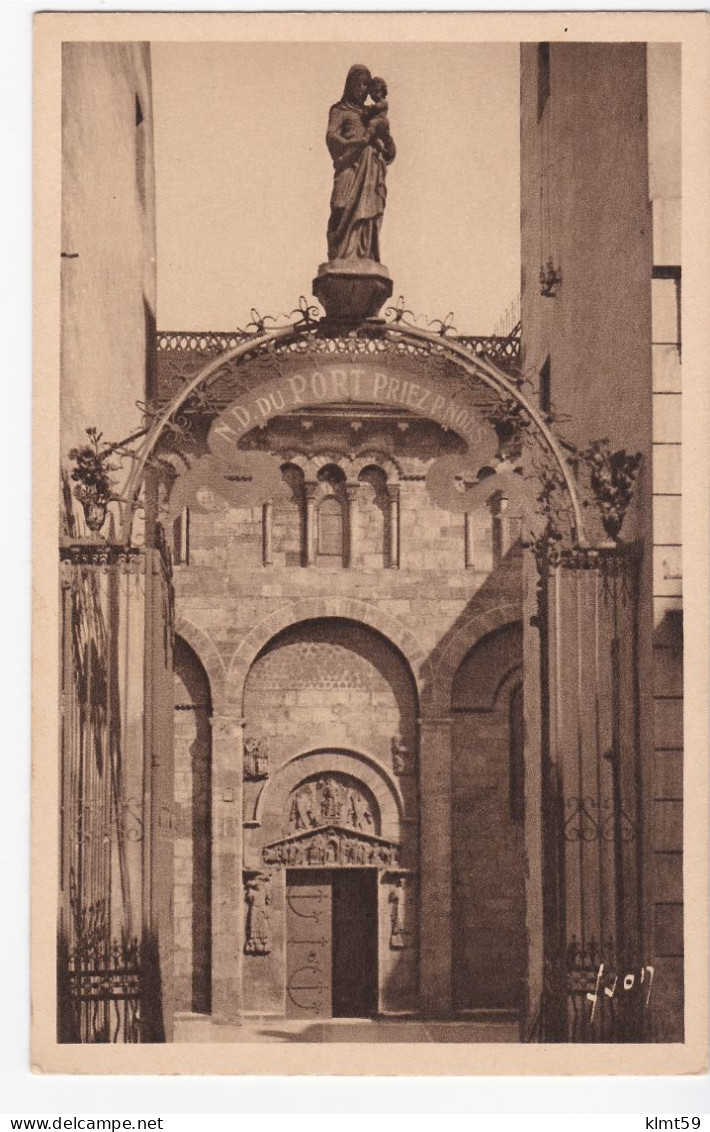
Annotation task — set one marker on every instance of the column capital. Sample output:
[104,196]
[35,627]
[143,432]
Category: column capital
[392,490]
[351,491]
[226,724]
[310,490]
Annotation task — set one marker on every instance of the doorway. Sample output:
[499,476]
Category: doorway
[331,943]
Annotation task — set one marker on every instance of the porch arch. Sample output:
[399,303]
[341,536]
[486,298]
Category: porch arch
[438,673]
[208,656]
[311,609]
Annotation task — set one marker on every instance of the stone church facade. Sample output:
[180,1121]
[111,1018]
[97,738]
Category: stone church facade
[347,644]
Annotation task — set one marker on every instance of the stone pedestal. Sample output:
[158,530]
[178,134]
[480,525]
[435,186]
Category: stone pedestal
[351,290]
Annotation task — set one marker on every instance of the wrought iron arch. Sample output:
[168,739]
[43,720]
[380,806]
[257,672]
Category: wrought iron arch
[372,336]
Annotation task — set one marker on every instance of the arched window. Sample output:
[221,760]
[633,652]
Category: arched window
[288,520]
[331,536]
[377,517]
[331,543]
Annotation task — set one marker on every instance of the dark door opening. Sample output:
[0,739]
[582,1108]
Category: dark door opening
[331,943]
[354,943]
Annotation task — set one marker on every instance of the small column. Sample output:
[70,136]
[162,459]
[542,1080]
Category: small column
[351,494]
[310,491]
[436,886]
[393,496]
[227,902]
[501,529]
[266,530]
[468,540]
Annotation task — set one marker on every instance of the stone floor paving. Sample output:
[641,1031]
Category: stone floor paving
[348,1030]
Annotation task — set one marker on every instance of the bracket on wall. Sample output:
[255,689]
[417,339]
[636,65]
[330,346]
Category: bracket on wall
[550,279]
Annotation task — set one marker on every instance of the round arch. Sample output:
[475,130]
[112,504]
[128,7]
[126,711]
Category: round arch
[311,609]
[356,764]
[209,658]
[440,670]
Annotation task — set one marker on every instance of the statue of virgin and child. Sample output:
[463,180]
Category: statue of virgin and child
[361,146]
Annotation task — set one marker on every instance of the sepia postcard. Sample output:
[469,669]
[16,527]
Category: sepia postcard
[365,500]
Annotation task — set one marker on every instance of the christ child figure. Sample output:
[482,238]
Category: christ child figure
[377,119]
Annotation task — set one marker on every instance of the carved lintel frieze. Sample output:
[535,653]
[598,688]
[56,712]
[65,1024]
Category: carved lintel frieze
[332,845]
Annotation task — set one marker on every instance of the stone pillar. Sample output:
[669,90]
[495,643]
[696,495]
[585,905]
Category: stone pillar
[351,494]
[468,540]
[436,887]
[227,894]
[393,496]
[266,528]
[591,762]
[310,491]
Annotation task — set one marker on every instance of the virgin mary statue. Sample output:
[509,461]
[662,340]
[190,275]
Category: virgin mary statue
[360,156]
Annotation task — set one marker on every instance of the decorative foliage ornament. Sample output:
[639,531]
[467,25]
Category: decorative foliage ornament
[92,475]
[612,478]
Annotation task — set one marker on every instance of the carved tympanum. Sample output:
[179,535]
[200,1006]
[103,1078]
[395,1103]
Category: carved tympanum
[332,799]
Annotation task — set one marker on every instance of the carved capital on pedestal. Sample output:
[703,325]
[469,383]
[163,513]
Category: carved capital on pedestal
[226,726]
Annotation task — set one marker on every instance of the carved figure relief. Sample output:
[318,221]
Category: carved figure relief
[256,759]
[400,756]
[331,800]
[257,896]
[399,914]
